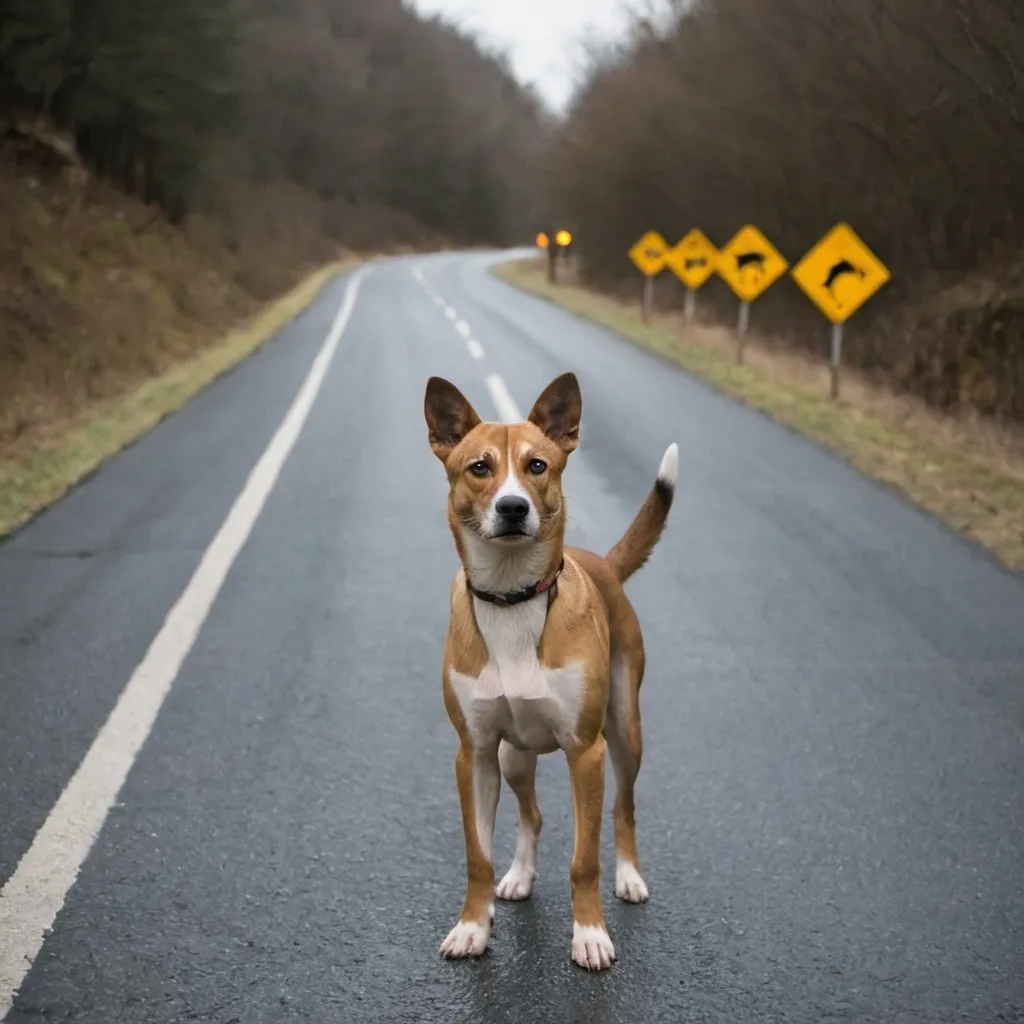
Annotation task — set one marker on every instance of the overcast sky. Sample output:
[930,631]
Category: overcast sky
[543,38]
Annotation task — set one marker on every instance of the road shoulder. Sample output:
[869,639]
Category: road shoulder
[43,472]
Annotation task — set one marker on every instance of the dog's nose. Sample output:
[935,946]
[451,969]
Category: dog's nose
[513,507]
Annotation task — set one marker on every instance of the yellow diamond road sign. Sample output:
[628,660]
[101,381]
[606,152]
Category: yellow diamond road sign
[649,253]
[750,264]
[840,274]
[693,259]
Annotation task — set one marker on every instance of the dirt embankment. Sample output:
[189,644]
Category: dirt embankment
[100,296]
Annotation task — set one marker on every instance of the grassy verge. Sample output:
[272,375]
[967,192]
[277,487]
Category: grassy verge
[969,475]
[35,477]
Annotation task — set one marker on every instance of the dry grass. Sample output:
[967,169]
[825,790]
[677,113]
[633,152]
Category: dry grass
[970,474]
[45,462]
[99,293]
[111,317]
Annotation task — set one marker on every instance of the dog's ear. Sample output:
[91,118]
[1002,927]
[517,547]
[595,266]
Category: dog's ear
[449,416]
[558,410]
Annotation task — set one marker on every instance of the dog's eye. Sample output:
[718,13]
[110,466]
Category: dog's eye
[537,466]
[479,468]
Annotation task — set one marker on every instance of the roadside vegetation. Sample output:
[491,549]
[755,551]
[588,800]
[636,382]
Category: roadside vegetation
[904,118]
[967,471]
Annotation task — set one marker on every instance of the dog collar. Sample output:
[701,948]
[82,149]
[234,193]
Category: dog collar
[518,596]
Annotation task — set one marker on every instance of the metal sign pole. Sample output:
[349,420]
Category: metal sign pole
[691,302]
[837,354]
[741,329]
[648,297]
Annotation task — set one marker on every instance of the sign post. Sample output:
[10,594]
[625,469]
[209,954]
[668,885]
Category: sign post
[741,329]
[839,275]
[563,239]
[693,262]
[749,264]
[648,254]
[543,242]
[835,360]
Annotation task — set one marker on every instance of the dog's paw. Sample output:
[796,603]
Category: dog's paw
[467,938]
[629,886]
[517,883]
[592,947]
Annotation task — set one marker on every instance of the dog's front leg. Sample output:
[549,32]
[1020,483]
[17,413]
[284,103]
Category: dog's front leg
[591,945]
[479,782]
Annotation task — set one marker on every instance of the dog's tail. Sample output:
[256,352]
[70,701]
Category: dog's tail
[637,543]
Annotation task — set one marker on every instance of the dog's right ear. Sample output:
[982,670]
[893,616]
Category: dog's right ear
[449,416]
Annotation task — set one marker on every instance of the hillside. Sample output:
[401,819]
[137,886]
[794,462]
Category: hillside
[165,179]
[902,118]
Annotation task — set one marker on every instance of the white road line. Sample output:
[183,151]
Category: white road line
[462,328]
[35,893]
[503,401]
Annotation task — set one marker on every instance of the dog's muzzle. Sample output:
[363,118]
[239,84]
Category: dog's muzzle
[511,512]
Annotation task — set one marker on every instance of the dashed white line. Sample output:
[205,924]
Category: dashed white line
[34,894]
[503,400]
[464,331]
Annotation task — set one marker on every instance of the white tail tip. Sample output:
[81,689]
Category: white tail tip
[669,469]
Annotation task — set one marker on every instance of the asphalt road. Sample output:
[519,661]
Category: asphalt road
[831,808]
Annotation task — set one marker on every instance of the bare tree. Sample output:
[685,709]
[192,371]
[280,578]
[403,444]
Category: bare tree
[903,117]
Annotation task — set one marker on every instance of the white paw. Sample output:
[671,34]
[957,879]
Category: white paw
[467,938]
[629,886]
[517,883]
[592,947]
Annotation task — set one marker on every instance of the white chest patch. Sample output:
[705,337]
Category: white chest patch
[515,698]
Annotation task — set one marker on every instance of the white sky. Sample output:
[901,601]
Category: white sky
[543,38]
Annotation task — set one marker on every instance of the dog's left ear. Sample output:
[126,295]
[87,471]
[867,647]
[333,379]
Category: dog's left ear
[558,410]
[449,416]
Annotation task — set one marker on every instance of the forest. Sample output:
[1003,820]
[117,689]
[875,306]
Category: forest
[283,128]
[176,175]
[904,118]
[389,119]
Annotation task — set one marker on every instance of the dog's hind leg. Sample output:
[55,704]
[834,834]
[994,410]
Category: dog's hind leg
[520,769]
[626,746]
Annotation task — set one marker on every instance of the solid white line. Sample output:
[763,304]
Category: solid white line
[463,328]
[35,893]
[503,401]
[476,350]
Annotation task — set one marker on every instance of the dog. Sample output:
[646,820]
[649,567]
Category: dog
[544,652]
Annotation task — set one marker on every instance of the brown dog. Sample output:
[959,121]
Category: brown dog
[544,652]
